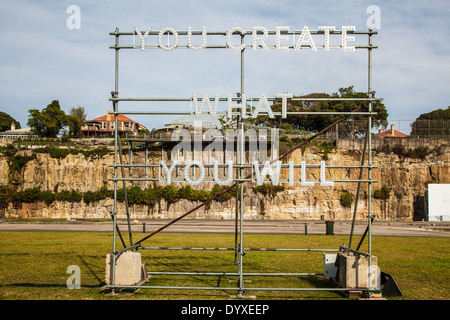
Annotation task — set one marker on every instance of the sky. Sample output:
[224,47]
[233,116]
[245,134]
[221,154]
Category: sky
[46,55]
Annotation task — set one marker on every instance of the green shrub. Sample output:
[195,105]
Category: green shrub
[200,195]
[17,162]
[56,153]
[99,152]
[59,153]
[70,196]
[297,140]
[288,127]
[421,152]
[27,196]
[185,192]
[150,196]
[346,199]
[9,150]
[268,189]
[399,150]
[90,196]
[120,195]
[170,194]
[224,196]
[325,147]
[135,195]
[262,207]
[32,195]
[47,196]
[383,194]
[5,196]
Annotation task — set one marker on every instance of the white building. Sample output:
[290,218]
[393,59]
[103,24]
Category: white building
[14,133]
[188,121]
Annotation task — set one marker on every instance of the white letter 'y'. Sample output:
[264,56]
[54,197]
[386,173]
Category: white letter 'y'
[142,36]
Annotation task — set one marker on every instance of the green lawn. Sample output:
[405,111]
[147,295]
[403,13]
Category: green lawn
[33,265]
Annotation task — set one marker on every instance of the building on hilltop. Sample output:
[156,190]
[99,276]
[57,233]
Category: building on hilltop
[104,126]
[14,133]
[391,133]
[190,121]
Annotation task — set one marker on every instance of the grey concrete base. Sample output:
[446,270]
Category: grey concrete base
[353,271]
[129,270]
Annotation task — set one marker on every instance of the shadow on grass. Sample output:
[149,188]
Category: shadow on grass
[101,282]
[44,285]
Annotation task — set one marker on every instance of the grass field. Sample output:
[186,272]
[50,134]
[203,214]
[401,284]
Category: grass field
[33,265]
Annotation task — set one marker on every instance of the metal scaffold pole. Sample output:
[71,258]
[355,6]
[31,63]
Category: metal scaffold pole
[240,198]
[369,133]
[115,108]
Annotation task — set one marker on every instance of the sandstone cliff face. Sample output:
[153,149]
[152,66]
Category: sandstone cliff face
[406,178]
[72,172]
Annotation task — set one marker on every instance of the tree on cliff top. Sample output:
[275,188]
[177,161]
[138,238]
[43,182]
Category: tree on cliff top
[433,123]
[48,122]
[75,120]
[6,120]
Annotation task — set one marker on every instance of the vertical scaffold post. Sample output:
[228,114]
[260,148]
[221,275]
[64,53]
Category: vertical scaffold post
[369,133]
[115,108]
[240,160]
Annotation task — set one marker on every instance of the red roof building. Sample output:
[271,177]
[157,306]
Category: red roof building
[104,126]
[391,133]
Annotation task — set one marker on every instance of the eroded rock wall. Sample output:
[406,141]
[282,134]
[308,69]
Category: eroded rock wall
[406,178]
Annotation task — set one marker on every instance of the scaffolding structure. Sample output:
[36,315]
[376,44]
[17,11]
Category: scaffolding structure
[239,178]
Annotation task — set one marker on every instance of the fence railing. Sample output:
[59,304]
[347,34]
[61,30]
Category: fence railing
[380,144]
[418,129]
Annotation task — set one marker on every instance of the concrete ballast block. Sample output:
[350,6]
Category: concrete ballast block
[128,269]
[354,272]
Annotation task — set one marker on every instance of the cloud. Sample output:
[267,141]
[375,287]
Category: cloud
[411,67]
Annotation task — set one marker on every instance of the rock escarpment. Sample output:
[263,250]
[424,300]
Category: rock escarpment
[405,179]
